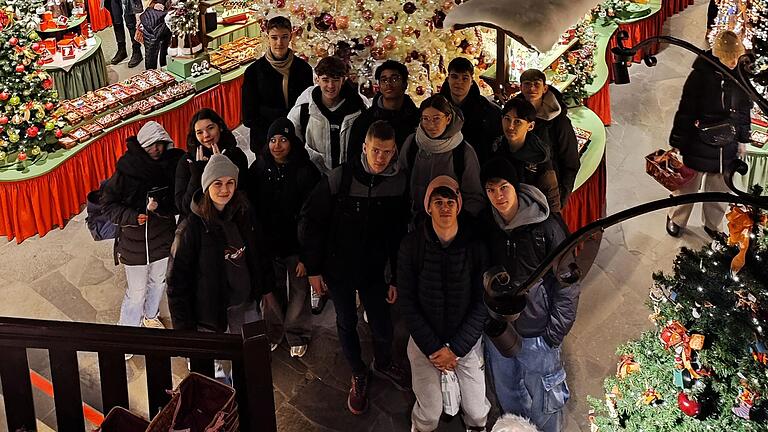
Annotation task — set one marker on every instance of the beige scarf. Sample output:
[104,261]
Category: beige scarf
[284,67]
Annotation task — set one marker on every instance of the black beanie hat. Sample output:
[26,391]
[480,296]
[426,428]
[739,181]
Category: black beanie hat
[499,168]
[282,126]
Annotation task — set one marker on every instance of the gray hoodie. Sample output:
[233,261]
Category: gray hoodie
[532,208]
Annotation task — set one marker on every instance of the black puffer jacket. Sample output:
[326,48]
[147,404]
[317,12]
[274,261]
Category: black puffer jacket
[349,235]
[189,172]
[263,100]
[153,23]
[197,287]
[554,128]
[520,247]
[482,120]
[125,197]
[441,289]
[709,97]
[404,121]
[278,191]
[533,166]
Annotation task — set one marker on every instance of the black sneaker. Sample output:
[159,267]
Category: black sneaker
[715,235]
[396,375]
[357,402]
[136,58]
[673,229]
[120,55]
[318,302]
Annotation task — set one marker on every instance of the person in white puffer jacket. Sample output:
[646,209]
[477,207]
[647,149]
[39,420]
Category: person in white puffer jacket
[323,114]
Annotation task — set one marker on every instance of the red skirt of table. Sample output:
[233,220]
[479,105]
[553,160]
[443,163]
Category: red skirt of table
[672,7]
[37,205]
[98,16]
[600,103]
[637,32]
[587,203]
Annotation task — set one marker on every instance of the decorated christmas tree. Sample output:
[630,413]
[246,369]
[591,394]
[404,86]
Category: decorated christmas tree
[367,31]
[704,367]
[27,97]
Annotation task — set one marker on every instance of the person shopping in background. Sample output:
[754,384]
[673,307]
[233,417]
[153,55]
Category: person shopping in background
[139,200]
[219,268]
[438,148]
[124,11]
[282,178]
[157,35]
[709,99]
[208,135]
[272,83]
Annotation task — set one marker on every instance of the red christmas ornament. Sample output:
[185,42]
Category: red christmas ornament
[49,106]
[13,41]
[32,131]
[369,41]
[328,19]
[4,96]
[688,406]
[280,3]
[389,42]
[3,120]
[59,133]
[47,83]
[367,14]
[409,8]
[377,53]
[35,47]
[19,68]
[22,156]
[420,91]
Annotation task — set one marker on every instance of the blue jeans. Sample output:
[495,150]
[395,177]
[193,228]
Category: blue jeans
[531,384]
[146,286]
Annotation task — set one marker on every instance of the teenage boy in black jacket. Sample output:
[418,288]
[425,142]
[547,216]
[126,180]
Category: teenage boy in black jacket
[554,128]
[139,199]
[482,118]
[390,104]
[351,225]
[273,83]
[440,268]
[282,180]
[520,232]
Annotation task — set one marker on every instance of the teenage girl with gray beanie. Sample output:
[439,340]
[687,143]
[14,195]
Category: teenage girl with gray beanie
[219,268]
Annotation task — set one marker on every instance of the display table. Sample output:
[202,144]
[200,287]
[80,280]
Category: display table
[98,16]
[757,159]
[673,7]
[599,100]
[587,202]
[73,26]
[640,29]
[44,196]
[88,72]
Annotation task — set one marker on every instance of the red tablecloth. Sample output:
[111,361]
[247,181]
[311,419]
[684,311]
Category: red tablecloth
[37,205]
[638,31]
[600,103]
[98,16]
[587,203]
[672,7]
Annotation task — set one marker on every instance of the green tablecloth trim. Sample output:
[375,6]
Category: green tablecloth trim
[250,30]
[603,33]
[655,8]
[585,118]
[89,73]
[757,174]
[70,25]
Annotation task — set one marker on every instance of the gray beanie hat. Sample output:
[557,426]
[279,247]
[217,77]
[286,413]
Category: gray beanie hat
[218,166]
[151,133]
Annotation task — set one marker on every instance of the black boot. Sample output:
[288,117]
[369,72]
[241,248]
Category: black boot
[120,55]
[136,58]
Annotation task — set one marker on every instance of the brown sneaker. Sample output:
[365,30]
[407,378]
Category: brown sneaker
[357,402]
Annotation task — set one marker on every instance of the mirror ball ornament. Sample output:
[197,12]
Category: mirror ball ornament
[409,8]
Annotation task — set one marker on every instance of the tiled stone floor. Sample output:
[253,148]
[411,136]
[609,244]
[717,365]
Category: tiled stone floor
[67,276]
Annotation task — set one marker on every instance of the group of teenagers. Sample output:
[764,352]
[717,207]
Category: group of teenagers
[385,205]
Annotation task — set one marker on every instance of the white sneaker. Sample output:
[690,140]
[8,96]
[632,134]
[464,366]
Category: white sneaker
[273,347]
[128,357]
[298,351]
[152,323]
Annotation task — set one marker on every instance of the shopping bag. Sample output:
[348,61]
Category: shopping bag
[666,168]
[449,384]
[121,420]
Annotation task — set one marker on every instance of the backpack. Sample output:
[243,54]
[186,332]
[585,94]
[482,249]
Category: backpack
[458,158]
[100,226]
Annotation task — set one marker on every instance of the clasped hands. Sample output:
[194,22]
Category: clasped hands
[444,359]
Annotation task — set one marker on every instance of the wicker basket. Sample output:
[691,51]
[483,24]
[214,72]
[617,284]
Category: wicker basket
[666,168]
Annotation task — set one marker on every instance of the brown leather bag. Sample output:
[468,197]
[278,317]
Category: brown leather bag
[666,168]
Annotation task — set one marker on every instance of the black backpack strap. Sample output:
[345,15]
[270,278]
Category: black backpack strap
[303,119]
[459,160]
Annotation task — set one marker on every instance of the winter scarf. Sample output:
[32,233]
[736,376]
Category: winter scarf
[449,140]
[284,67]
